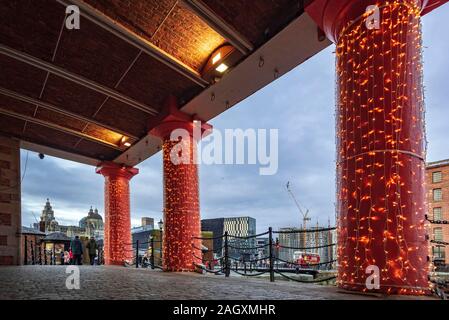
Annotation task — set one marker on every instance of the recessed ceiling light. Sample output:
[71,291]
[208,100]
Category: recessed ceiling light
[127,144]
[222,68]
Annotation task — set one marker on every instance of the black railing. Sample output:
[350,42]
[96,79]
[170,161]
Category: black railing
[270,264]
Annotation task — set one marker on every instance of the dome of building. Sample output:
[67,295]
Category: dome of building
[92,220]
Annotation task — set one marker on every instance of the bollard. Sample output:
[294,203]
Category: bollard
[152,253]
[270,245]
[137,254]
[226,255]
[40,255]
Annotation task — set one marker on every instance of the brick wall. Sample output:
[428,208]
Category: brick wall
[443,204]
[10,217]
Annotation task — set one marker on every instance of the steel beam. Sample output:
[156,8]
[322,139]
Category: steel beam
[51,68]
[138,42]
[58,128]
[64,112]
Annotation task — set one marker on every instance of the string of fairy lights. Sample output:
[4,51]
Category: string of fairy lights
[181,208]
[380,141]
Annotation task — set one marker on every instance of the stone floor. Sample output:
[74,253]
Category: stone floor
[49,282]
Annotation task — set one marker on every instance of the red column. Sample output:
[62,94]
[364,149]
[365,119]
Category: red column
[181,251]
[117,228]
[380,143]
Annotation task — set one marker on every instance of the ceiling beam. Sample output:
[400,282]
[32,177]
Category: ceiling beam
[62,111]
[135,40]
[34,147]
[58,71]
[59,128]
[219,25]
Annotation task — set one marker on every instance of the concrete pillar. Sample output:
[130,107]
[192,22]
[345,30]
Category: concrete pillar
[181,190]
[380,143]
[117,228]
[10,211]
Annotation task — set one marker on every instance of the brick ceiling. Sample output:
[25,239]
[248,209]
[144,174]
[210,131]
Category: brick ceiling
[80,116]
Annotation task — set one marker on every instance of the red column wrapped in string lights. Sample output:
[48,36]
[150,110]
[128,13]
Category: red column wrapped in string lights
[181,251]
[117,228]
[380,142]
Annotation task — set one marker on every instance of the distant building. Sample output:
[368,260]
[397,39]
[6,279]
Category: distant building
[263,249]
[294,240]
[216,226]
[148,222]
[437,182]
[237,228]
[143,234]
[89,226]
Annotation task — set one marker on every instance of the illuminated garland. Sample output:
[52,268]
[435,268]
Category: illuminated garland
[381,152]
[117,228]
[181,210]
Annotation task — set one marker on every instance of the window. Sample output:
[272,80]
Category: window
[437,195]
[437,214]
[438,253]
[437,176]
[438,234]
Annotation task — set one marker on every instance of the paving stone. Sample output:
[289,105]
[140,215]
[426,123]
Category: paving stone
[116,283]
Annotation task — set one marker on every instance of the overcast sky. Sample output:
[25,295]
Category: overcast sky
[300,105]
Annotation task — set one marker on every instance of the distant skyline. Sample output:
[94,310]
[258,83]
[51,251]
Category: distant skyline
[299,104]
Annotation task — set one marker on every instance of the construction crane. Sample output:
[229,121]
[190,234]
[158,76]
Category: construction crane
[305,216]
[35,217]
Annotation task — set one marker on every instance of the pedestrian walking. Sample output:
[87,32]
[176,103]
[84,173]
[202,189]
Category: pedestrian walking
[92,248]
[77,250]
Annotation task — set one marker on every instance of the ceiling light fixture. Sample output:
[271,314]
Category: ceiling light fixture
[220,62]
[222,68]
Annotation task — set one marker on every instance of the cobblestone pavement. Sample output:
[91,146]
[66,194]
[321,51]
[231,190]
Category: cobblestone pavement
[48,282]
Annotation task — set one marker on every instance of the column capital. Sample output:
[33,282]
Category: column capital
[113,169]
[171,118]
[332,16]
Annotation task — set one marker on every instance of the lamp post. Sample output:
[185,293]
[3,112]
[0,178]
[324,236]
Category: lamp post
[160,224]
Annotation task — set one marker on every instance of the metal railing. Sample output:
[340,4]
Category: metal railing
[269,264]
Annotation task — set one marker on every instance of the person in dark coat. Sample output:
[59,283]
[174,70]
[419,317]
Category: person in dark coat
[92,248]
[77,250]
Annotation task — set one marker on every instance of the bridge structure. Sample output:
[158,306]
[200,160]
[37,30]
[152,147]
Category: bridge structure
[109,93]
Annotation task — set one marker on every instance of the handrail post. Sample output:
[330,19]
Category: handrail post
[137,254]
[25,253]
[270,244]
[226,255]
[152,253]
